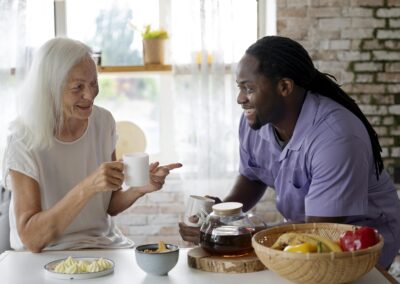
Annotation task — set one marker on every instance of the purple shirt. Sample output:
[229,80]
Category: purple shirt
[326,170]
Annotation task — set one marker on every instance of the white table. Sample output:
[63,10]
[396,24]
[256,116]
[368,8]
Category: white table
[26,267]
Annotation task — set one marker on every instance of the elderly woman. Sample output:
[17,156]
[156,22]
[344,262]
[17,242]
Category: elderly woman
[60,160]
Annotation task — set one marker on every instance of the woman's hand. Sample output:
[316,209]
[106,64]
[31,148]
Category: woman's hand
[108,177]
[157,176]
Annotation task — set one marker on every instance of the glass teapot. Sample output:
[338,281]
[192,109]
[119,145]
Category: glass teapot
[228,231]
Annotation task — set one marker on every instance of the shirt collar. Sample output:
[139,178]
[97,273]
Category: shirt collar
[304,123]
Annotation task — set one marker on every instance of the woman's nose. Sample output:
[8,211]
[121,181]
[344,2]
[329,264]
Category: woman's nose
[89,93]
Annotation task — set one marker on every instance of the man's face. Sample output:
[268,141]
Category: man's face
[258,94]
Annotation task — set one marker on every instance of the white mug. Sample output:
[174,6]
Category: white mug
[136,169]
[197,209]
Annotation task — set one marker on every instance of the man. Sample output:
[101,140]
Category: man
[305,137]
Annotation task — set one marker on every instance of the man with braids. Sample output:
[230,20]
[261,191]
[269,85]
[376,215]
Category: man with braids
[301,134]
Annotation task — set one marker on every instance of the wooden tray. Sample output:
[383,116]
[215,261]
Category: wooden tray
[200,259]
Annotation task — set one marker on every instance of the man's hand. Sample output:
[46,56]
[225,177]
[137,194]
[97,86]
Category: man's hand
[189,234]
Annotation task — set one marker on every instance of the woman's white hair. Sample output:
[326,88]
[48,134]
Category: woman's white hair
[40,113]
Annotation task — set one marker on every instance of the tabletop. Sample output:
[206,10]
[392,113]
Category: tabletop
[27,267]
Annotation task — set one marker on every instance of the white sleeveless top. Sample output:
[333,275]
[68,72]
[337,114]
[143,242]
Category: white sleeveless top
[58,170]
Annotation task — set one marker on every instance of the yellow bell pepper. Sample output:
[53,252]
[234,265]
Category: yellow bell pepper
[301,248]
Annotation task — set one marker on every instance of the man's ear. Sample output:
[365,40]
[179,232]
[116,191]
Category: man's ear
[285,86]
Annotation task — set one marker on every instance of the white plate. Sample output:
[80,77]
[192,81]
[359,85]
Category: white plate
[49,268]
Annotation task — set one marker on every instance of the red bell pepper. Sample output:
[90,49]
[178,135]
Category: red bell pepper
[360,238]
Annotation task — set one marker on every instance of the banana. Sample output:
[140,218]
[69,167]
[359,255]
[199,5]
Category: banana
[293,239]
[327,242]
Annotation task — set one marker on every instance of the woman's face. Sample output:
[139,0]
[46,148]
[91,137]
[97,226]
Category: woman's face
[79,91]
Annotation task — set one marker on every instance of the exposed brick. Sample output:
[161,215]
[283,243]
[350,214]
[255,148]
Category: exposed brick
[339,44]
[386,141]
[357,12]
[142,209]
[388,77]
[357,33]
[173,208]
[372,3]
[368,66]
[367,88]
[388,13]
[392,67]
[388,34]
[364,78]
[394,109]
[372,44]
[299,12]
[337,3]
[130,219]
[392,44]
[374,120]
[374,109]
[367,23]
[143,230]
[333,24]
[324,12]
[383,99]
[162,197]
[385,152]
[388,120]
[395,88]
[395,130]
[386,55]
[394,23]
[169,230]
[296,3]
[353,55]
[395,152]
[158,219]
[393,3]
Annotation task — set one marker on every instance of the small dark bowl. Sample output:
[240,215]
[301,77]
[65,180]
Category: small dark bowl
[159,263]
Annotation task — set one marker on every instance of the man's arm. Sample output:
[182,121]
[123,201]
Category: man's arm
[246,191]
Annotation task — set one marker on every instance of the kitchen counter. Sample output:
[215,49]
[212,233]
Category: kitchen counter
[27,267]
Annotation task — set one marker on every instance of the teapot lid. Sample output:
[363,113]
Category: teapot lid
[227,208]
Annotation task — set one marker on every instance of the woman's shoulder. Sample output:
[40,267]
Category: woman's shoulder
[102,115]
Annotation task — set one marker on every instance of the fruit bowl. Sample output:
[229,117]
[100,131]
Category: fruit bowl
[327,267]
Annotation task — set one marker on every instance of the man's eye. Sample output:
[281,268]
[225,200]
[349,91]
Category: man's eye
[249,90]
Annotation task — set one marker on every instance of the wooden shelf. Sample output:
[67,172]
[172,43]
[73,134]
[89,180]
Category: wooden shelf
[139,68]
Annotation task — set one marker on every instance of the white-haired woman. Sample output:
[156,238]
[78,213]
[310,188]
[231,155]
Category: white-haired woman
[60,160]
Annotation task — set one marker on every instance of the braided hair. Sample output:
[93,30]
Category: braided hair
[282,57]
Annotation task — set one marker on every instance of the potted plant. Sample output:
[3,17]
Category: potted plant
[153,45]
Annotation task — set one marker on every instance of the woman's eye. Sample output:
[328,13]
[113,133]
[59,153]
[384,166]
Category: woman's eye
[78,87]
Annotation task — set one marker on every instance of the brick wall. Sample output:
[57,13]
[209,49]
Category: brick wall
[357,41]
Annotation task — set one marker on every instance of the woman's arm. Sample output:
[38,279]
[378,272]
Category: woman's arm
[123,199]
[37,227]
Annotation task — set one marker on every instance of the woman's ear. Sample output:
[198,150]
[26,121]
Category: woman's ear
[285,86]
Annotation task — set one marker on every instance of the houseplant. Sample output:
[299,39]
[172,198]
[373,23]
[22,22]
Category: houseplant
[154,45]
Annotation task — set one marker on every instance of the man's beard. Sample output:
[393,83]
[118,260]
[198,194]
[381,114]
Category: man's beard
[257,124]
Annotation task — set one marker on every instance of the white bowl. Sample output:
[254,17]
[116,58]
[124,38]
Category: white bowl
[157,263]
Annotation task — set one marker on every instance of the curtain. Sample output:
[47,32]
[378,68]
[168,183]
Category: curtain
[24,25]
[205,108]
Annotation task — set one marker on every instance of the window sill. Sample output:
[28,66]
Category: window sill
[139,68]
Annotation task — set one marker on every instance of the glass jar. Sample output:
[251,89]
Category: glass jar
[227,230]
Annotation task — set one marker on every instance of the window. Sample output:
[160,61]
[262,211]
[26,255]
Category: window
[146,99]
